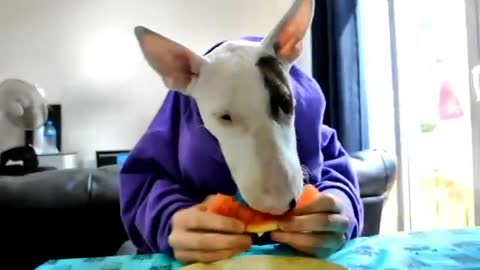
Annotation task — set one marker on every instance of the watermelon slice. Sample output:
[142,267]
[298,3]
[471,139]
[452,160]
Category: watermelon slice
[255,221]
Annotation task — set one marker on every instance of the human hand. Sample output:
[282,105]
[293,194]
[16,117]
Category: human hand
[200,236]
[316,229]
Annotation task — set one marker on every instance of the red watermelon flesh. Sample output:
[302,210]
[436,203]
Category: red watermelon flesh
[255,221]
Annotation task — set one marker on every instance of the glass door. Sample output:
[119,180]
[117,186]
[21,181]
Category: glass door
[434,53]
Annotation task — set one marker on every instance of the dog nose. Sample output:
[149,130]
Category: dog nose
[292,204]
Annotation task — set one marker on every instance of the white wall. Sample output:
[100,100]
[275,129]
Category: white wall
[83,53]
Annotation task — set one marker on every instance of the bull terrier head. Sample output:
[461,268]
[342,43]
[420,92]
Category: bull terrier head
[244,96]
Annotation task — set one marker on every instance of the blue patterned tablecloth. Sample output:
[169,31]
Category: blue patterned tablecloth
[442,249]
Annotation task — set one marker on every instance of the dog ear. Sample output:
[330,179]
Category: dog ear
[178,66]
[286,39]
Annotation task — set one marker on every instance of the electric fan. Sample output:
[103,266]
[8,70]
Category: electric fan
[23,104]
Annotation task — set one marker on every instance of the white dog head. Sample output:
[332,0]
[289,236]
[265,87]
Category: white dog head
[245,99]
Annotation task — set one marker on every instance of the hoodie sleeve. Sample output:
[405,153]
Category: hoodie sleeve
[330,171]
[151,189]
[339,179]
[326,161]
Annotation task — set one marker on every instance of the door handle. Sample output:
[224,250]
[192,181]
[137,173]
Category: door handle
[476,82]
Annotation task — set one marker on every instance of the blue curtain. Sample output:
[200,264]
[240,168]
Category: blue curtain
[336,67]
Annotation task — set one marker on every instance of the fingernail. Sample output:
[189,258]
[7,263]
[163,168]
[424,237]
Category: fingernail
[276,236]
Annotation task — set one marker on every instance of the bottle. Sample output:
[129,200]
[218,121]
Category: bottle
[50,134]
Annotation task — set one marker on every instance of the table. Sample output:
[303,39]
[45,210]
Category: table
[60,161]
[441,249]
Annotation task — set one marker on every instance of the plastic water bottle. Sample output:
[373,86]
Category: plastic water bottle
[50,139]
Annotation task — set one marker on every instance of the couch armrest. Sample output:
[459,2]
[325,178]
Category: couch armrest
[376,171]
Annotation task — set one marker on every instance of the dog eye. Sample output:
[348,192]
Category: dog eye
[226,117]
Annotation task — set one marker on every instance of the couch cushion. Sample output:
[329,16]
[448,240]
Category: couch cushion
[104,184]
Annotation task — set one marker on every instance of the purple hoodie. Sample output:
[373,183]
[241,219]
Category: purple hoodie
[178,163]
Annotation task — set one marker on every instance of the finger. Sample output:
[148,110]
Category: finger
[204,205]
[324,203]
[195,219]
[190,256]
[312,242]
[208,241]
[316,223]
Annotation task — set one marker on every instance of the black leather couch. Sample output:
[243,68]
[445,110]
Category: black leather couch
[75,213]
